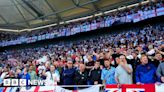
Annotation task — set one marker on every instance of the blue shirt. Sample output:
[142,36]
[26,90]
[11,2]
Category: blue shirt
[108,75]
[94,58]
[146,73]
[26,76]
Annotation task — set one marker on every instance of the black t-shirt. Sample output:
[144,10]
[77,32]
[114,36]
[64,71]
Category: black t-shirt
[101,62]
[91,63]
[155,63]
[95,75]
[114,57]
[81,78]
[133,62]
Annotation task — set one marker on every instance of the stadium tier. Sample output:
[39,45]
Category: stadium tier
[131,15]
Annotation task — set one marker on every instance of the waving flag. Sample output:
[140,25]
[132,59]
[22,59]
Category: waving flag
[38,89]
[140,88]
[112,88]
[8,89]
[135,90]
[94,88]
[159,88]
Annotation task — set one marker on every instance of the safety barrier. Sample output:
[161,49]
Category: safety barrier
[88,88]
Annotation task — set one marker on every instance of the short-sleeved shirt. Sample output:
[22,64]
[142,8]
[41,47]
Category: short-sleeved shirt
[123,76]
[33,75]
[51,77]
[108,75]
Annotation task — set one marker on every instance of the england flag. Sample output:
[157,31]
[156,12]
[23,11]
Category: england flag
[113,90]
[135,90]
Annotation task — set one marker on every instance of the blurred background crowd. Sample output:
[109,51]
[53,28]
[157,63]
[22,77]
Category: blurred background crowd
[131,56]
[106,20]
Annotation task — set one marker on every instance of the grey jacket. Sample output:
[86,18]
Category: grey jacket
[160,70]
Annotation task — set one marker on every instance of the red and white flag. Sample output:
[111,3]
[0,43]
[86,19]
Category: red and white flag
[112,88]
[135,90]
[159,88]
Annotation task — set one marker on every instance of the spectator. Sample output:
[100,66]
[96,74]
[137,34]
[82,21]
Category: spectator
[158,57]
[81,76]
[57,66]
[123,73]
[95,74]
[89,64]
[68,73]
[1,80]
[32,73]
[145,72]
[41,71]
[160,72]
[4,74]
[52,77]
[10,75]
[25,75]
[134,62]
[115,55]
[107,75]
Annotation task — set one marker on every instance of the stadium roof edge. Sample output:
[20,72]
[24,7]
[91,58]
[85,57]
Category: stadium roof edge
[73,20]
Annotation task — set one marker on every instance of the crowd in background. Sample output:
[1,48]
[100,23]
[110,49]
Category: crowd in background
[74,27]
[134,56]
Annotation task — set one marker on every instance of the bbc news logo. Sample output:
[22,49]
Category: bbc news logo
[14,82]
[23,82]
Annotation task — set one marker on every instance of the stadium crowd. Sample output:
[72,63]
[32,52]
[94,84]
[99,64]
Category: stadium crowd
[104,21]
[134,56]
